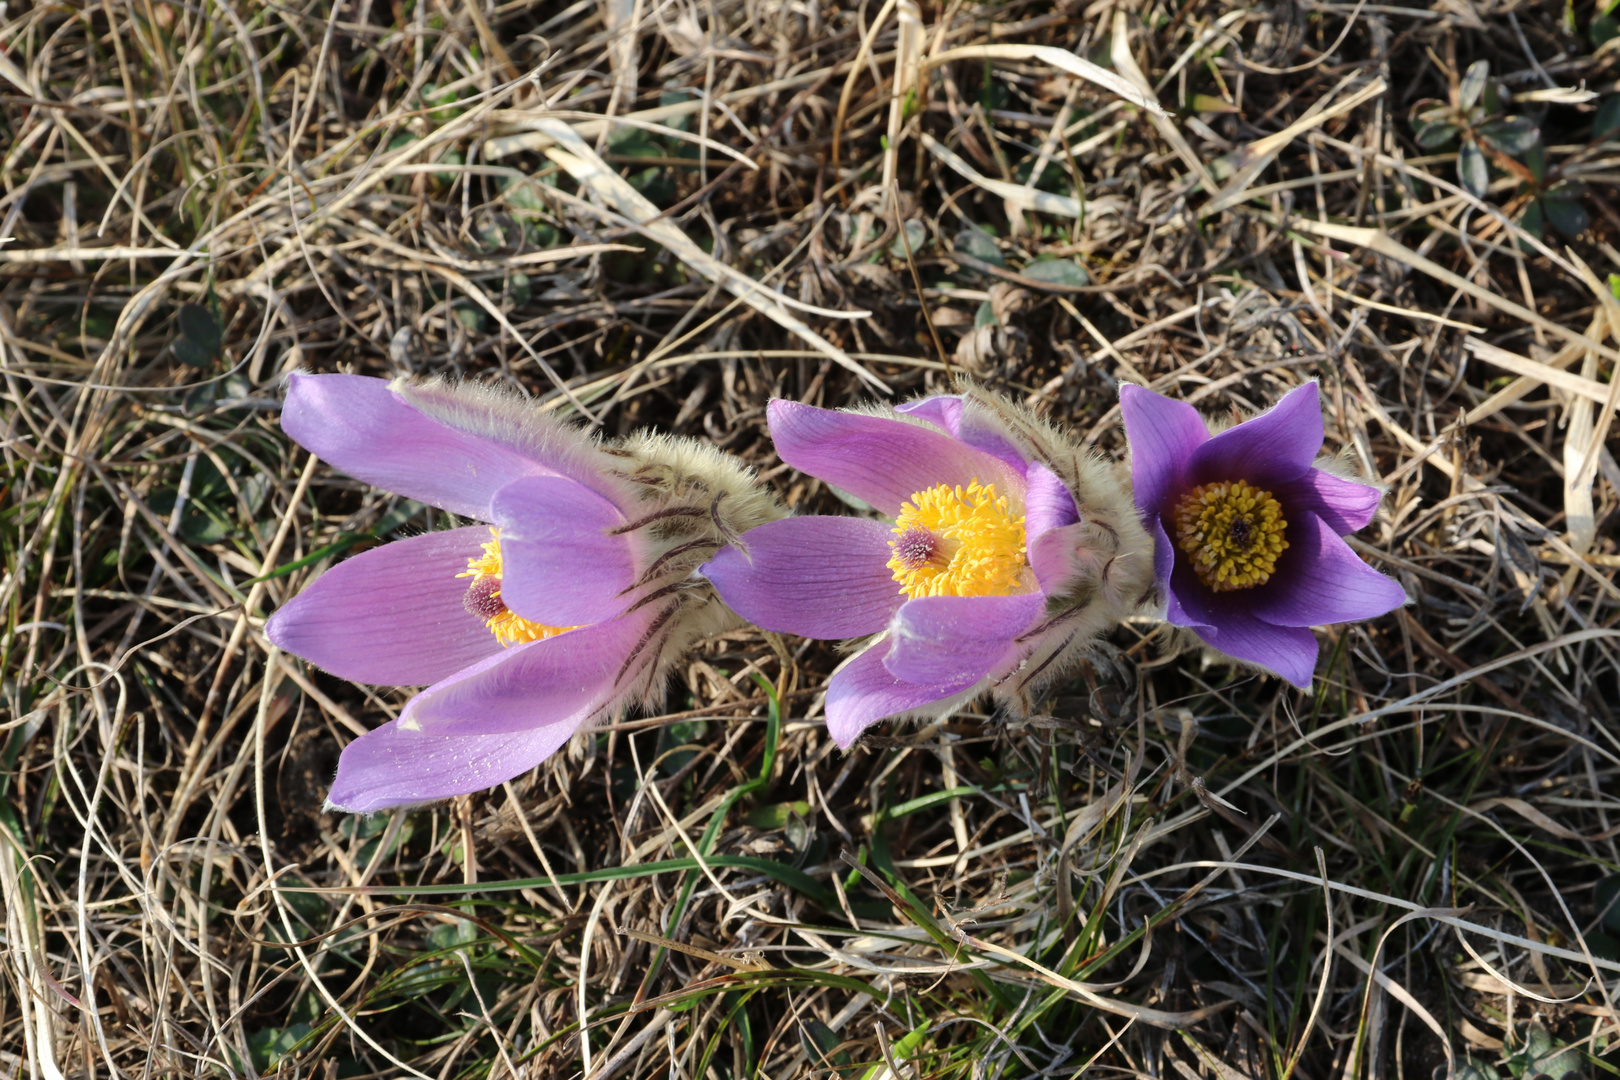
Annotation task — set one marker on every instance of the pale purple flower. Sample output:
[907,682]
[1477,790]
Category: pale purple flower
[571,608]
[1003,552]
[1248,529]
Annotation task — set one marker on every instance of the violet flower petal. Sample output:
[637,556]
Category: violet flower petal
[561,565]
[1164,561]
[862,692]
[561,680]
[508,420]
[944,411]
[947,412]
[1268,450]
[877,459]
[391,615]
[394,766]
[361,427]
[819,577]
[957,640]
[1048,502]
[1059,555]
[1163,434]
[1226,623]
[1344,504]
[1319,580]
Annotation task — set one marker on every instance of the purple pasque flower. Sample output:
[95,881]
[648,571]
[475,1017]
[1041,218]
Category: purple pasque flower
[1003,552]
[567,607]
[1248,528]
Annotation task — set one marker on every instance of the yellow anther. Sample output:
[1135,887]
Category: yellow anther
[484,599]
[1234,533]
[955,541]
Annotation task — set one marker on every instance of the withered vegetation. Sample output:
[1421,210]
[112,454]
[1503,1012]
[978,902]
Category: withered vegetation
[666,213]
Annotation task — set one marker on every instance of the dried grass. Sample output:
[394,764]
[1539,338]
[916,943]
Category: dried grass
[1178,870]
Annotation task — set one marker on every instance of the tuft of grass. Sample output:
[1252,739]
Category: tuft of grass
[1175,869]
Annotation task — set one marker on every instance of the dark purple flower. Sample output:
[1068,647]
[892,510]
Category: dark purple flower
[1248,529]
[1003,553]
[569,606]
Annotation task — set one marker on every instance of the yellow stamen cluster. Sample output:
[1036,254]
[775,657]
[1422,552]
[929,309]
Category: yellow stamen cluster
[955,541]
[484,599]
[1234,533]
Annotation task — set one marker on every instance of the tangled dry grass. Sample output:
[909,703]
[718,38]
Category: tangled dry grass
[667,213]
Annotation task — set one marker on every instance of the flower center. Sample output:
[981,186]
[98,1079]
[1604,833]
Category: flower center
[1234,533]
[483,599]
[954,541]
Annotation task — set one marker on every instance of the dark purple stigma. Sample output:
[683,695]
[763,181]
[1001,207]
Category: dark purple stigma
[483,598]
[916,547]
[1242,532]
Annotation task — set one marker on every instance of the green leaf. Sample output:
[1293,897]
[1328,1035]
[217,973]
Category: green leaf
[1536,160]
[268,1046]
[450,157]
[916,235]
[1441,114]
[452,934]
[902,1050]
[198,326]
[1477,1070]
[1566,215]
[1510,134]
[777,815]
[1604,28]
[191,354]
[1472,174]
[1206,103]
[1603,946]
[985,315]
[974,241]
[1534,222]
[522,194]
[518,289]
[1606,896]
[1058,272]
[820,1044]
[676,97]
[1473,83]
[1607,120]
[1540,1055]
[926,802]
[1430,136]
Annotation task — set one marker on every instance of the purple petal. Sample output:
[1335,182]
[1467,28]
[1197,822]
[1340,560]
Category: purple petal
[957,640]
[390,615]
[981,428]
[394,766]
[1048,503]
[567,679]
[1163,435]
[1059,556]
[361,427]
[560,565]
[958,418]
[1164,553]
[1225,622]
[944,411]
[1277,446]
[818,577]
[877,459]
[862,692]
[1320,580]
[1344,504]
[505,418]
